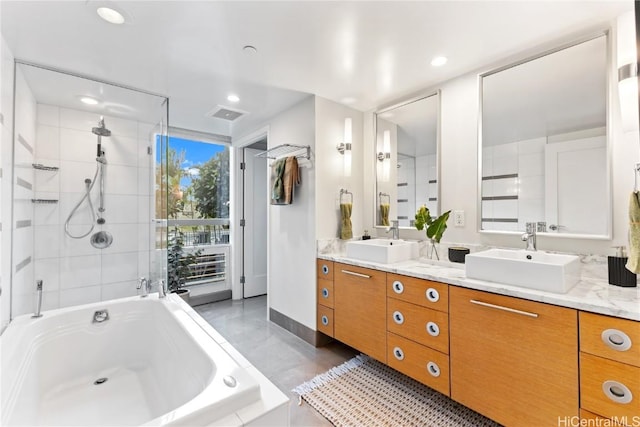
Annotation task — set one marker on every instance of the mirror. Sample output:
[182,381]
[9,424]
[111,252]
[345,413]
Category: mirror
[407,140]
[543,142]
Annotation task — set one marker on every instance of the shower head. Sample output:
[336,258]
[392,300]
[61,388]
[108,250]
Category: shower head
[101,130]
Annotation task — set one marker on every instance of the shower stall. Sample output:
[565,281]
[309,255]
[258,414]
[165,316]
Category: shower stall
[88,189]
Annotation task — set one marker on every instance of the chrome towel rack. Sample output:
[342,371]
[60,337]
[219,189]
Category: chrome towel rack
[636,171]
[382,195]
[300,151]
[348,195]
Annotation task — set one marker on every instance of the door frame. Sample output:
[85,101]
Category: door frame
[237,288]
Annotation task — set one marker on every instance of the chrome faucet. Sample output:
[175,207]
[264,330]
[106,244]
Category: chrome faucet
[530,236]
[145,285]
[37,312]
[394,228]
[162,291]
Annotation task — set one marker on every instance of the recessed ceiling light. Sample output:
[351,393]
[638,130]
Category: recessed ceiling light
[233,98]
[248,49]
[439,61]
[89,100]
[110,15]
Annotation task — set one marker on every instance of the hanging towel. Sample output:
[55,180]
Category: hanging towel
[277,190]
[290,178]
[384,214]
[346,232]
[633,263]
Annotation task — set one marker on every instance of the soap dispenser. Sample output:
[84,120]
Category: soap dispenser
[618,273]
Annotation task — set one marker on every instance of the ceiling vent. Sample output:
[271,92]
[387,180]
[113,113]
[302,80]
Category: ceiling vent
[226,113]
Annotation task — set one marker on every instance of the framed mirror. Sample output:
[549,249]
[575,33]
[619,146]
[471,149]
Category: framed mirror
[543,148]
[407,162]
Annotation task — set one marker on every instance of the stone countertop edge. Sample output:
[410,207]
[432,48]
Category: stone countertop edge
[592,295]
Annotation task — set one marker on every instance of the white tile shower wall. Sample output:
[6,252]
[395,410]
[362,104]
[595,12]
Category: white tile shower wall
[22,262]
[74,271]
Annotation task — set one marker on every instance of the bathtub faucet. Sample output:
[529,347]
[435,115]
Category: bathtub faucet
[145,285]
[162,291]
[37,313]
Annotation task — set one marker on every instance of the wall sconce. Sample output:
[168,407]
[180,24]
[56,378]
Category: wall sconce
[385,154]
[345,147]
[627,71]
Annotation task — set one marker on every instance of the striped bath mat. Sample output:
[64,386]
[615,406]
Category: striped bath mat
[365,392]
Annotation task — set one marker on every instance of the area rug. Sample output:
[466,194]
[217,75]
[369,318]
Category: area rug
[365,392]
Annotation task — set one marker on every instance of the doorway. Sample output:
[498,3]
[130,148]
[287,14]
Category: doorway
[255,190]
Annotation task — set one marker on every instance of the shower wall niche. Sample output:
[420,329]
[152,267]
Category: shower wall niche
[55,154]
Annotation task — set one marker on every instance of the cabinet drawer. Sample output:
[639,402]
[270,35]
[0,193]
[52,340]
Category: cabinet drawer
[360,311]
[601,421]
[325,292]
[421,363]
[426,293]
[325,320]
[610,337]
[423,325]
[610,389]
[324,269]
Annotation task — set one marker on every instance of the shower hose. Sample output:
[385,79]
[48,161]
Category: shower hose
[87,196]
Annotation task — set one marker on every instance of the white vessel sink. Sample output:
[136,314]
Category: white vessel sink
[384,251]
[529,269]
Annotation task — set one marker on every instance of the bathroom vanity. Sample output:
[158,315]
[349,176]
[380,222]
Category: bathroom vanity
[518,356]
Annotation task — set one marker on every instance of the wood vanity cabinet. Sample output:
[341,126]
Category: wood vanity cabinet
[360,309]
[513,360]
[418,330]
[610,367]
[325,298]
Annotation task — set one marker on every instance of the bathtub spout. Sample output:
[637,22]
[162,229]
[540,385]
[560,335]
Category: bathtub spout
[37,313]
[145,285]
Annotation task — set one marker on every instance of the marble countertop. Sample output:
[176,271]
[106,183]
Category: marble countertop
[592,295]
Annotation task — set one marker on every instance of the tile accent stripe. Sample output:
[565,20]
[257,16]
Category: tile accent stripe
[22,264]
[22,183]
[403,217]
[403,200]
[433,199]
[433,181]
[0,226]
[500,198]
[402,184]
[1,119]
[0,172]
[512,175]
[24,142]
[23,223]
[499,219]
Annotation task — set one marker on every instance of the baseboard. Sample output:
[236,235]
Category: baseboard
[315,338]
[209,297]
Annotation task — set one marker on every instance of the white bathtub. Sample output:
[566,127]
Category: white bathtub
[161,364]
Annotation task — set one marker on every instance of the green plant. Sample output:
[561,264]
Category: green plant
[178,262]
[435,226]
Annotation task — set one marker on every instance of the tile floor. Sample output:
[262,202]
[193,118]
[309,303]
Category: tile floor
[281,356]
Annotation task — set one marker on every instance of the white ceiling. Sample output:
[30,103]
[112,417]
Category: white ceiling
[364,54]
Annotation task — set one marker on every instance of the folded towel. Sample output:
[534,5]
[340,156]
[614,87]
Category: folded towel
[384,214]
[346,232]
[633,263]
[277,191]
[291,176]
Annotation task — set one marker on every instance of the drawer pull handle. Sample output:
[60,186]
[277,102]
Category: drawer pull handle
[398,287]
[433,369]
[353,273]
[325,269]
[398,353]
[503,308]
[617,391]
[325,293]
[615,339]
[398,317]
[432,295]
[433,329]
[325,320]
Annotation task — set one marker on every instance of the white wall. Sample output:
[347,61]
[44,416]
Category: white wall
[6,156]
[73,271]
[292,228]
[459,172]
[329,165]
